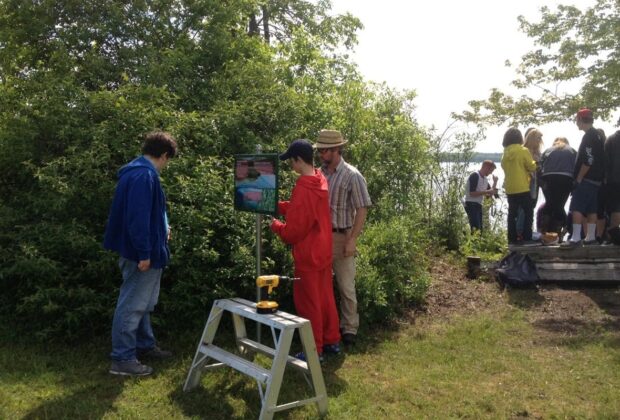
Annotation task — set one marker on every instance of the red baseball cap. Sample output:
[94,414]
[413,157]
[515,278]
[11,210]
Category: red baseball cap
[584,113]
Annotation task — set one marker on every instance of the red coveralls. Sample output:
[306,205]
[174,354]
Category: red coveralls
[308,229]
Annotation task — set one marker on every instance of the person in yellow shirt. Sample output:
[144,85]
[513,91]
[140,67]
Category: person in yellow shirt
[518,166]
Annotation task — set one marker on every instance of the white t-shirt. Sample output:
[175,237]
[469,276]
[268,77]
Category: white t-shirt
[476,182]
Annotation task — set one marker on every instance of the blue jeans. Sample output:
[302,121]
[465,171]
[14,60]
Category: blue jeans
[131,327]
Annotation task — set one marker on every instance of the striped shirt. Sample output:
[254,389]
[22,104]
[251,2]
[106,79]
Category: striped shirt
[347,193]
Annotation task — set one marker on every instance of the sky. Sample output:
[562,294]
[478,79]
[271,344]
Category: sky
[450,52]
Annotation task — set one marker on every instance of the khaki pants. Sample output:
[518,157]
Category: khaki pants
[344,268]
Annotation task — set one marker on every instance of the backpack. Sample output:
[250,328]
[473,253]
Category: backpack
[517,270]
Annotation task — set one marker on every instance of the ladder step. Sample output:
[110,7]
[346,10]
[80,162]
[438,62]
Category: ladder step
[268,351]
[236,362]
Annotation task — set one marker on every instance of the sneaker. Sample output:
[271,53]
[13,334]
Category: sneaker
[130,368]
[301,356]
[348,339]
[592,242]
[570,244]
[154,353]
[331,348]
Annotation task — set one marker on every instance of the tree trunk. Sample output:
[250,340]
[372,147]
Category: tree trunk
[266,32]
[253,26]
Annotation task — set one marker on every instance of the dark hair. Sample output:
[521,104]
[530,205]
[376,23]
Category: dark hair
[306,155]
[156,143]
[299,149]
[512,136]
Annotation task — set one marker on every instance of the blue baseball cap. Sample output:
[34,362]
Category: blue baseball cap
[301,148]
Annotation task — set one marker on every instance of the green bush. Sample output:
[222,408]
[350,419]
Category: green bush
[391,269]
[75,102]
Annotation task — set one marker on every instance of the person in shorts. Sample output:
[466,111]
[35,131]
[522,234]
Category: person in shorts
[589,174]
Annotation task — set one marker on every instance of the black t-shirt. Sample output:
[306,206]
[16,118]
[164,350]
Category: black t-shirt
[612,155]
[591,153]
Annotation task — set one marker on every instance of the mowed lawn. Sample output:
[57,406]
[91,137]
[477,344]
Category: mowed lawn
[486,365]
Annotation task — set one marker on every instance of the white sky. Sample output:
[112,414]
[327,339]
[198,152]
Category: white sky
[451,52]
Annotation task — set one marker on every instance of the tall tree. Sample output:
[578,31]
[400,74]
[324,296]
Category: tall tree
[281,19]
[81,82]
[577,64]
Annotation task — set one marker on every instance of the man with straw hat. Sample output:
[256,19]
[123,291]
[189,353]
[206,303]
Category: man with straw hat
[349,201]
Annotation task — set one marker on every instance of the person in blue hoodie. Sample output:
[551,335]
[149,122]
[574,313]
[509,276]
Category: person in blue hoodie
[138,231]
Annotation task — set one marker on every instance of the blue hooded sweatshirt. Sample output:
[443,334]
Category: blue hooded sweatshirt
[138,225]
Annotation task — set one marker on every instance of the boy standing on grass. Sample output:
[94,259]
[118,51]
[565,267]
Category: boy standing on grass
[138,231]
[308,229]
[477,188]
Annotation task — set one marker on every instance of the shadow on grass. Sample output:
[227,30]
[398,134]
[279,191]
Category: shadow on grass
[608,299]
[217,399]
[76,375]
[225,393]
[577,334]
[92,401]
[525,298]
[573,322]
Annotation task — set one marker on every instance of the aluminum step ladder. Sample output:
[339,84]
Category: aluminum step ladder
[269,380]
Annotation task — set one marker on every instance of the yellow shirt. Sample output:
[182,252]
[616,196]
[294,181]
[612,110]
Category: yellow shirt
[518,165]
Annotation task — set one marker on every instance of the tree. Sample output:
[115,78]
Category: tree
[281,19]
[577,64]
[81,83]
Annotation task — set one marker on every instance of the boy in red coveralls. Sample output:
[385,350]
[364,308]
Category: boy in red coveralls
[308,229]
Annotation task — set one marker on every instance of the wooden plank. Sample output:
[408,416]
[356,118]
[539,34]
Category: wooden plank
[602,266]
[578,274]
[582,252]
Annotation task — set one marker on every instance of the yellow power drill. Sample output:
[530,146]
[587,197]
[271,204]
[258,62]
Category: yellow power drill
[267,284]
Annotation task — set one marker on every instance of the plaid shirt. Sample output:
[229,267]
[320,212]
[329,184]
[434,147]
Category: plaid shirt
[347,193]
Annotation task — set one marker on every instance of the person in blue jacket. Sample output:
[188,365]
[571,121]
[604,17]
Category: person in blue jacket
[138,231]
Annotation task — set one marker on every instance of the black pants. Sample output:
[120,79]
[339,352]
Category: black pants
[556,189]
[516,202]
[474,215]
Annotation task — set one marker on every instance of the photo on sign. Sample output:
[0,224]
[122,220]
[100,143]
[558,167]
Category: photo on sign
[256,183]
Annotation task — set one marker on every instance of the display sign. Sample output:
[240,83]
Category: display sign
[256,183]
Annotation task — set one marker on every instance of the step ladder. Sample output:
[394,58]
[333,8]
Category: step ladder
[269,380]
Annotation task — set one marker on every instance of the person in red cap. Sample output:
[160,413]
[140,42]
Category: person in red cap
[308,229]
[589,174]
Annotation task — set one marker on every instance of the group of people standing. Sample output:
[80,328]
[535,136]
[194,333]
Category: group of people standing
[323,219]
[591,175]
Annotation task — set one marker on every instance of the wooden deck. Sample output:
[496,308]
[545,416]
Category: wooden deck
[579,264]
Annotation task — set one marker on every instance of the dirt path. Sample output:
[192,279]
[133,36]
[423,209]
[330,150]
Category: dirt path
[552,309]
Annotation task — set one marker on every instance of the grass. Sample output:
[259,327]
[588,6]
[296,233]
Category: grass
[483,366]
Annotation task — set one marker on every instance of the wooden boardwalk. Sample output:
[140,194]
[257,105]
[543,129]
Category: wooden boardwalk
[579,264]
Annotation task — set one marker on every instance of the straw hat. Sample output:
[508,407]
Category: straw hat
[329,138]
